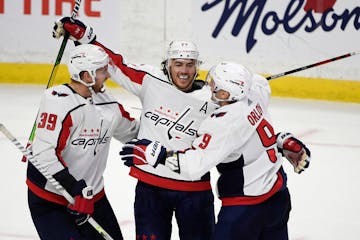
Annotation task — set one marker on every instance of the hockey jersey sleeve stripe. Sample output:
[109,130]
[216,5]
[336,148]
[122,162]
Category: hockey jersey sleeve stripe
[134,75]
[64,135]
[124,113]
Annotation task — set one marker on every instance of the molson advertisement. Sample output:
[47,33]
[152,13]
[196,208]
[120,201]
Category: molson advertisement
[275,35]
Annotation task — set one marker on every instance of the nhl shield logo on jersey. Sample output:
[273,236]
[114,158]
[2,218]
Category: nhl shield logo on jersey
[217,115]
[59,94]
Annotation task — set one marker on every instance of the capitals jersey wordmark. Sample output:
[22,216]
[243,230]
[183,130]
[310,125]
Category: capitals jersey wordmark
[172,123]
[87,141]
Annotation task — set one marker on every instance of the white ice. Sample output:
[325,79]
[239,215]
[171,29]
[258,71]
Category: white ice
[325,198]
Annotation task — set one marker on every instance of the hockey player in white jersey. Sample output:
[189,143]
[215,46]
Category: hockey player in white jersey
[75,124]
[173,105]
[238,138]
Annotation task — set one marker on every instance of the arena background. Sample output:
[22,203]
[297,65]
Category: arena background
[269,37]
[276,36]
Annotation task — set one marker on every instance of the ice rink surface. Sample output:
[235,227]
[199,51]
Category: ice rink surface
[325,198]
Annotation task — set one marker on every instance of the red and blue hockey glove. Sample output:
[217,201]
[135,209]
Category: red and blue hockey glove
[294,151]
[140,152]
[79,32]
[83,206]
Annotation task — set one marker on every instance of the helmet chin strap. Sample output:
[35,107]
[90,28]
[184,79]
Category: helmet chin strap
[103,88]
[92,92]
[93,78]
[89,86]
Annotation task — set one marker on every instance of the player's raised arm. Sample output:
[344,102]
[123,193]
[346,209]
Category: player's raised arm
[128,75]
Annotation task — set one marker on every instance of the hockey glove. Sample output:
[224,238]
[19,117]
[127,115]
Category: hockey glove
[294,151]
[79,32]
[83,206]
[140,152]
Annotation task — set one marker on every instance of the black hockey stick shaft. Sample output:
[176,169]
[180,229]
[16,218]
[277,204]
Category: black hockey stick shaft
[62,47]
[312,65]
[55,68]
[50,178]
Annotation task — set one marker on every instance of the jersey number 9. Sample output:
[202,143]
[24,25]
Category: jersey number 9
[268,138]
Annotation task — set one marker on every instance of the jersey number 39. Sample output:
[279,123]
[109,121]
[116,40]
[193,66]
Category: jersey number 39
[47,121]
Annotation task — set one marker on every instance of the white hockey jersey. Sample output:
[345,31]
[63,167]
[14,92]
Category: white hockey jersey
[239,139]
[168,115]
[72,132]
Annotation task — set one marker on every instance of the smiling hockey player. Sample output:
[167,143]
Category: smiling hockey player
[238,138]
[74,126]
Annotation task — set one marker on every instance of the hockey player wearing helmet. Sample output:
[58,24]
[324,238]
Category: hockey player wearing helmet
[181,64]
[88,66]
[173,118]
[74,126]
[237,138]
[229,82]
[173,105]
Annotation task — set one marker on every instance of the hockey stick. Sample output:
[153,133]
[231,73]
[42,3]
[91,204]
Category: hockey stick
[62,47]
[50,178]
[312,65]
[56,66]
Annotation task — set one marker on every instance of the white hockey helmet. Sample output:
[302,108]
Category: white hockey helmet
[231,77]
[182,50]
[86,58]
